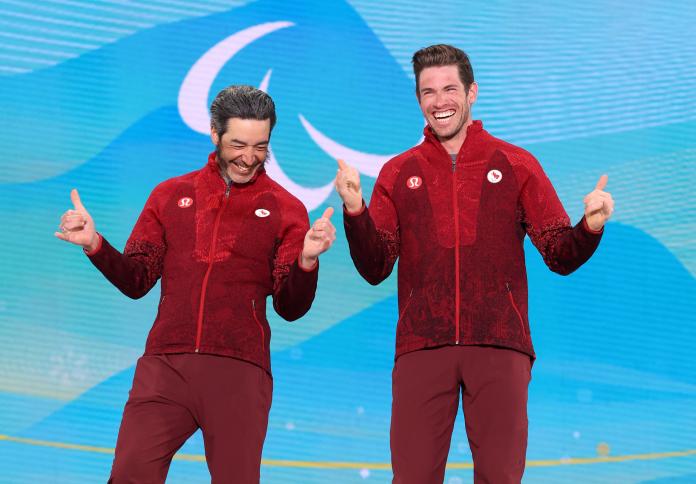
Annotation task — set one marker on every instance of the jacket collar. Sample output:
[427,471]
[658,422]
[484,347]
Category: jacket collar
[471,131]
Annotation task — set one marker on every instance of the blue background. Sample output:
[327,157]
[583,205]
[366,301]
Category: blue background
[89,99]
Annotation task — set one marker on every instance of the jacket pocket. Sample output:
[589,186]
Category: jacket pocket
[517,311]
[160,305]
[258,323]
[408,303]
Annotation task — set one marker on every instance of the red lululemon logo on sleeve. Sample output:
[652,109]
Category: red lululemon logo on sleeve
[185,202]
[494,176]
[414,182]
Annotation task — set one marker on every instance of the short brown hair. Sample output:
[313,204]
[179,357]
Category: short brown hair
[244,102]
[443,55]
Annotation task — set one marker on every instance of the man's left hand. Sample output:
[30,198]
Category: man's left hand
[318,239]
[598,205]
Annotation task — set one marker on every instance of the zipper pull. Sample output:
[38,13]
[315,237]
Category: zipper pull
[227,190]
[507,286]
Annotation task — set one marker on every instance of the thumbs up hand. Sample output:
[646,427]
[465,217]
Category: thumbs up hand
[598,205]
[76,225]
[348,186]
[318,239]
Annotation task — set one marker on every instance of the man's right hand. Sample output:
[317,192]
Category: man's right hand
[348,186]
[77,227]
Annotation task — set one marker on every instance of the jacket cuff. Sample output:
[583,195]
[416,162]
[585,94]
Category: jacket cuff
[347,213]
[588,229]
[97,249]
[311,269]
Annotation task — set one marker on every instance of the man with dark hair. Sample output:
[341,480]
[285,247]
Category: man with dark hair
[455,209]
[222,239]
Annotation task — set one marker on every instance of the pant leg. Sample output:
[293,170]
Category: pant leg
[233,399]
[155,424]
[425,398]
[494,400]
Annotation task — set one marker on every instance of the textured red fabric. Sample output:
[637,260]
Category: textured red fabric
[458,231]
[426,385]
[220,251]
[173,396]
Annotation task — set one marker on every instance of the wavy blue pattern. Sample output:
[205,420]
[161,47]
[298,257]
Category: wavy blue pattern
[615,340]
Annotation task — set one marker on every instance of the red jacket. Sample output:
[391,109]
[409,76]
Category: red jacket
[220,251]
[458,229]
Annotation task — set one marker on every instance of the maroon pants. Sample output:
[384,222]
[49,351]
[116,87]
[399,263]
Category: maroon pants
[173,396]
[425,391]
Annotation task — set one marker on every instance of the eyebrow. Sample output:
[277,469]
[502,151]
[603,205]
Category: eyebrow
[425,89]
[240,142]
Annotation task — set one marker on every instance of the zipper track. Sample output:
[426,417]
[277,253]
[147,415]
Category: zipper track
[456,250]
[211,257]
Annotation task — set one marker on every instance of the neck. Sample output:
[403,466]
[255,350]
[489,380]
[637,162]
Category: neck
[454,144]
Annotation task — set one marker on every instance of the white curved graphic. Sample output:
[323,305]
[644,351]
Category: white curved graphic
[193,94]
[310,197]
[366,163]
[193,109]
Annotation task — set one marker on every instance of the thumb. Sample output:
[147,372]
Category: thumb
[602,182]
[342,165]
[77,203]
[328,213]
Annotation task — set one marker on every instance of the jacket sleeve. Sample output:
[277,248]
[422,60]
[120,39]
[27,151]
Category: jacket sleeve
[293,287]
[373,234]
[135,271]
[563,247]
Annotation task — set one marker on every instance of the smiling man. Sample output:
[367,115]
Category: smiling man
[455,209]
[222,239]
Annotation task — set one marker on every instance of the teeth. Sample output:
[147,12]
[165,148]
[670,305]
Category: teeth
[444,114]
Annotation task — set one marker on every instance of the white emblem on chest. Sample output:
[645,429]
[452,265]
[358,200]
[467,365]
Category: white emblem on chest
[494,176]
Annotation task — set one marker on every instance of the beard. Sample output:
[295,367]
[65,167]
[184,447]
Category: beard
[224,162]
[454,131]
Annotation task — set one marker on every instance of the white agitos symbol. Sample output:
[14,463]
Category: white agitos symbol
[494,176]
[262,212]
[193,109]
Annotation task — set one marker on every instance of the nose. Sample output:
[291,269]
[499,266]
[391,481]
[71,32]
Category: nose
[440,99]
[248,156]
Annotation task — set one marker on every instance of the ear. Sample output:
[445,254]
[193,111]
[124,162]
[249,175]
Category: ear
[473,93]
[214,136]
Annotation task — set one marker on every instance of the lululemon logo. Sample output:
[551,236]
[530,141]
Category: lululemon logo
[262,212]
[414,182]
[185,202]
[494,176]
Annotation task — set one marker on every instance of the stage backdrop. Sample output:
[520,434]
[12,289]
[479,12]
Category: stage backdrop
[111,97]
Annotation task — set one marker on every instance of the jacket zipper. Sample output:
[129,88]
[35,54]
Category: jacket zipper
[263,333]
[519,315]
[211,257]
[456,251]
